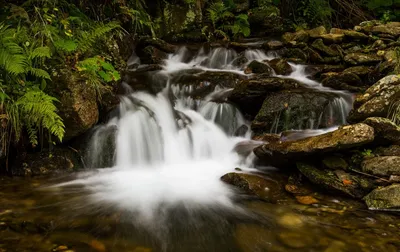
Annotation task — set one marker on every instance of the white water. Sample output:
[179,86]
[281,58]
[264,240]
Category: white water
[164,153]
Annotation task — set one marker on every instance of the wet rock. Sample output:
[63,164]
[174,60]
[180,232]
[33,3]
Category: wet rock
[317,32]
[156,43]
[296,53]
[384,129]
[386,198]
[332,38]
[361,71]
[317,70]
[350,34]
[152,55]
[346,137]
[250,94]
[291,220]
[393,150]
[362,59]
[259,68]
[251,183]
[377,99]
[273,45]
[348,184]
[326,50]
[382,166]
[300,36]
[314,56]
[78,103]
[290,110]
[391,28]
[306,200]
[280,66]
[240,61]
[335,163]
[346,81]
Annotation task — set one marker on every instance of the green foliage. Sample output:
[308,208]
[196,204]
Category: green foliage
[367,153]
[385,9]
[225,22]
[314,12]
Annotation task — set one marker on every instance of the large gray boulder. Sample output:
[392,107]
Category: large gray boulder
[386,198]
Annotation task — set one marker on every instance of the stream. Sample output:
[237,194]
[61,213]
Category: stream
[154,178]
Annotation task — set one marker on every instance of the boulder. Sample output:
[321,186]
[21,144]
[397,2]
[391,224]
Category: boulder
[300,36]
[314,56]
[362,59]
[332,38]
[297,54]
[350,34]
[250,94]
[346,137]
[292,109]
[317,70]
[360,71]
[386,198]
[280,66]
[259,68]
[382,166]
[152,55]
[377,100]
[391,28]
[78,103]
[272,45]
[343,81]
[335,163]
[324,49]
[384,129]
[252,184]
[393,150]
[317,32]
[337,181]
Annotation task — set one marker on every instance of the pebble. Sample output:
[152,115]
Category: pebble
[290,221]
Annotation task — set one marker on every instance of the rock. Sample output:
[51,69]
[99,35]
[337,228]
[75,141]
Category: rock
[317,32]
[391,28]
[386,198]
[306,200]
[384,129]
[250,183]
[273,45]
[300,36]
[335,163]
[292,109]
[78,103]
[250,94]
[393,150]
[382,166]
[332,38]
[361,71]
[316,70]
[321,47]
[346,81]
[362,59]
[290,221]
[156,43]
[314,56]
[346,137]
[350,34]
[377,99]
[240,61]
[350,185]
[259,68]
[280,66]
[59,161]
[151,55]
[296,53]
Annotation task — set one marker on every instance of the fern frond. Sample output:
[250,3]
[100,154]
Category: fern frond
[32,133]
[88,38]
[65,45]
[39,73]
[40,52]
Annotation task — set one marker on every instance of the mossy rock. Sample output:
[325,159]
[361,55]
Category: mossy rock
[260,68]
[324,49]
[382,166]
[386,198]
[362,59]
[280,66]
[335,163]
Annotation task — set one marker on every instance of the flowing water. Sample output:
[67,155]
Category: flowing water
[159,187]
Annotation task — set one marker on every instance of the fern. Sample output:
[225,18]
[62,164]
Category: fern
[38,111]
[88,38]
[40,52]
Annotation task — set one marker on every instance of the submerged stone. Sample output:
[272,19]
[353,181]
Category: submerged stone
[386,198]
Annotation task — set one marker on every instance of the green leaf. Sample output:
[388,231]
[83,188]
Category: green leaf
[40,52]
[65,45]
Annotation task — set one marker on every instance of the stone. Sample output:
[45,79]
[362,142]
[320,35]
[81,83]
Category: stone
[78,103]
[345,183]
[250,94]
[317,32]
[346,137]
[152,55]
[290,220]
[317,70]
[250,183]
[259,68]
[335,163]
[332,38]
[362,59]
[386,198]
[290,109]
[393,150]
[382,166]
[326,50]
[295,240]
[280,66]
[346,81]
[391,28]
[350,34]
[384,128]
[300,36]
[361,71]
[377,100]
[296,53]
[314,56]
[273,45]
